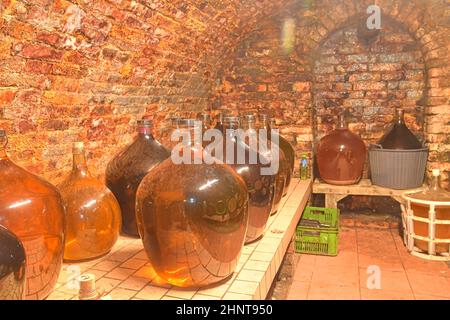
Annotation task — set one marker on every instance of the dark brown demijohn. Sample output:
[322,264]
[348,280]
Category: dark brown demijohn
[341,156]
[284,170]
[126,171]
[192,216]
[399,136]
[32,209]
[12,266]
[261,187]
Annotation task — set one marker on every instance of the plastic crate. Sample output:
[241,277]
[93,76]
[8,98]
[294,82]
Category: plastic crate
[318,232]
[328,218]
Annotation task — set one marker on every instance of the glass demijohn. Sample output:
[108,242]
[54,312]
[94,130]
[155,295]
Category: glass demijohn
[32,209]
[192,217]
[92,212]
[126,171]
[341,156]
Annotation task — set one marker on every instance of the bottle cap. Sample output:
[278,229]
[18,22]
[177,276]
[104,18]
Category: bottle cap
[436,172]
[87,287]
[187,122]
[231,119]
[249,117]
[77,147]
[144,122]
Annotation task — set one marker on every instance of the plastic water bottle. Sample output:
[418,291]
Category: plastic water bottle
[304,167]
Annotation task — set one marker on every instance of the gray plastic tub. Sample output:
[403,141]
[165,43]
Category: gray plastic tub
[397,169]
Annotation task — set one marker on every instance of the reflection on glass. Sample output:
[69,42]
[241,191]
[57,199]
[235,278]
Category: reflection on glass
[12,266]
[260,187]
[32,209]
[92,212]
[341,156]
[192,219]
[126,171]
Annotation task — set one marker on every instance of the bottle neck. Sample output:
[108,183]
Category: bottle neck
[342,124]
[435,185]
[249,125]
[145,131]
[79,164]
[399,116]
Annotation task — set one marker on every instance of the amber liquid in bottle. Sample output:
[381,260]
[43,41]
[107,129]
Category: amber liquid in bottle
[32,209]
[126,171]
[93,217]
[433,193]
[12,266]
[192,218]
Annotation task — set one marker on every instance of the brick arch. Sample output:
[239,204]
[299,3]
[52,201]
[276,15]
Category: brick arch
[429,33]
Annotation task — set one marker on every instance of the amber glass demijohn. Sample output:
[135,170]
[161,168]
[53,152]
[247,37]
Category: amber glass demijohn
[261,188]
[341,156]
[12,266]
[399,136]
[92,212]
[125,172]
[32,209]
[192,217]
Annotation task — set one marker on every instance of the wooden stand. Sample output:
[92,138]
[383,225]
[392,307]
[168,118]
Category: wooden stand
[334,193]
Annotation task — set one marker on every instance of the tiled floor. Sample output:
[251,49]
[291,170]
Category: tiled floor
[372,263]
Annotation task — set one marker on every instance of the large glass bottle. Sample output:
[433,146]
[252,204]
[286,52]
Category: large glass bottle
[433,193]
[399,136]
[289,152]
[92,212]
[125,172]
[284,170]
[32,209]
[261,187]
[12,266]
[341,156]
[192,216]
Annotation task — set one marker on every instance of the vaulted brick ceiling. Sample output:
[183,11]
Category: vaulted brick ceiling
[87,69]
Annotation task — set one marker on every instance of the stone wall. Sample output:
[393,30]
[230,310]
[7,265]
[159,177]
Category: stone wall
[87,69]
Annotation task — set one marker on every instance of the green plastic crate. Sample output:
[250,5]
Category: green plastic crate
[328,218]
[318,232]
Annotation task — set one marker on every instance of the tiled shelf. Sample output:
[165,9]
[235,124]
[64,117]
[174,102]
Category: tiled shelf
[126,274]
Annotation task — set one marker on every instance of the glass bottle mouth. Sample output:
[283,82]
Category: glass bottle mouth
[187,123]
[231,122]
[144,123]
[78,147]
[400,114]
[342,124]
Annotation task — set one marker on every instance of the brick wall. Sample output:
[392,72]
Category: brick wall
[307,79]
[87,69]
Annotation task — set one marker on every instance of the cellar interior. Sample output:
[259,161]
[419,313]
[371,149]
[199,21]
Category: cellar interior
[81,81]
